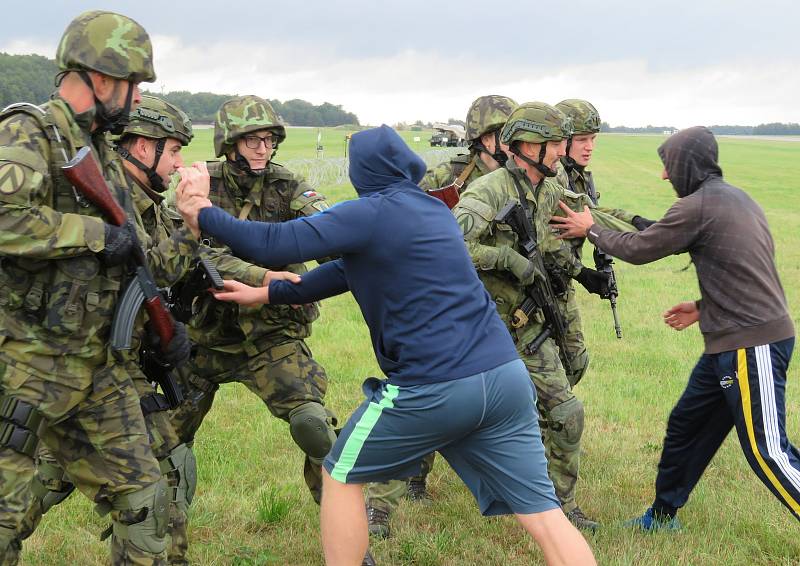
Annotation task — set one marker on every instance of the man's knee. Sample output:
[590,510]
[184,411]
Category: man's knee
[141,518]
[19,425]
[311,428]
[565,422]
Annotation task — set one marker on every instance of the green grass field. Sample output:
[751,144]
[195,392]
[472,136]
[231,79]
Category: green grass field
[252,507]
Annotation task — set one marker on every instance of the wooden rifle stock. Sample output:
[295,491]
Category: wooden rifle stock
[83,172]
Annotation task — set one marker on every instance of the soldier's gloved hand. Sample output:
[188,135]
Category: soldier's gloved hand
[642,223]
[119,242]
[177,351]
[513,261]
[594,281]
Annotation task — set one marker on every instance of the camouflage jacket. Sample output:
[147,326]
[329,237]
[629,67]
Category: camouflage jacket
[489,242]
[57,298]
[276,196]
[448,171]
[575,194]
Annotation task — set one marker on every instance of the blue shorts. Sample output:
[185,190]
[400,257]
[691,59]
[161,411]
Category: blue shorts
[485,426]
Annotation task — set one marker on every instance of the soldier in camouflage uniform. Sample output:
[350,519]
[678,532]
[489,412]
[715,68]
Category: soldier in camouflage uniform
[262,347]
[578,184]
[151,146]
[485,119]
[62,272]
[536,134]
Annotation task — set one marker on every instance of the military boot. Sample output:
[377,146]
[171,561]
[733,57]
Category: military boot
[581,521]
[418,491]
[378,522]
[368,559]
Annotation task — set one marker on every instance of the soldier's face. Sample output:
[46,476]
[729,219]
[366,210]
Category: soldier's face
[170,160]
[555,151]
[257,155]
[582,148]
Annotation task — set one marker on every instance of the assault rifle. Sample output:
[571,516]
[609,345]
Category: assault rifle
[602,262]
[540,294]
[84,174]
[182,295]
[159,372]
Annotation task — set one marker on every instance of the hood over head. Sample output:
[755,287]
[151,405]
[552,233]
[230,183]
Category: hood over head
[690,157]
[379,159]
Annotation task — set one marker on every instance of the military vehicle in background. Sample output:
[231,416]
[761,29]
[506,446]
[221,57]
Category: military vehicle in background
[448,135]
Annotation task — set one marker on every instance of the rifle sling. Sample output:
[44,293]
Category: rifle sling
[462,178]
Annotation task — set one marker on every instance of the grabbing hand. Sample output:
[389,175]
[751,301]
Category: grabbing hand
[280,276]
[191,194]
[178,350]
[118,244]
[243,294]
[574,224]
[682,315]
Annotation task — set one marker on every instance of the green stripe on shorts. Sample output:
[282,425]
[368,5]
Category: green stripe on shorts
[355,441]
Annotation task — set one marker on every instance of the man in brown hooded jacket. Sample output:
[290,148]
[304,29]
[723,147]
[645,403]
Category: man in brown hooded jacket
[740,379]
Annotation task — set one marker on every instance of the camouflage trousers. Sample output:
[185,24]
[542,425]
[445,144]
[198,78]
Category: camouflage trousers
[577,355]
[386,495]
[284,376]
[561,413]
[56,484]
[97,436]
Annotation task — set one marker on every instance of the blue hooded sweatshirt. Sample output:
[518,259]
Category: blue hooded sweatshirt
[403,258]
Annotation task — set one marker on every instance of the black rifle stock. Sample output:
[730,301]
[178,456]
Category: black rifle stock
[204,276]
[540,294]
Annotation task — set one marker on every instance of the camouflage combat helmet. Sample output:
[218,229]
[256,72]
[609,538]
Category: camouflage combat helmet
[584,116]
[108,43]
[155,118]
[242,115]
[488,113]
[536,122]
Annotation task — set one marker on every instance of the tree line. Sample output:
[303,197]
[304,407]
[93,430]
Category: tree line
[30,78]
[771,129]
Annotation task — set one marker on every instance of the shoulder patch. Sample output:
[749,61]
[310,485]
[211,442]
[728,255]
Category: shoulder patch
[310,194]
[12,177]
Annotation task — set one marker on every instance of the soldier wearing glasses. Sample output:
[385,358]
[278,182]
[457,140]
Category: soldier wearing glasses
[262,347]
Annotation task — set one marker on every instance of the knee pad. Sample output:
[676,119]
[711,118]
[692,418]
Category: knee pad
[311,429]
[182,462]
[579,363]
[19,425]
[9,546]
[50,485]
[141,517]
[565,423]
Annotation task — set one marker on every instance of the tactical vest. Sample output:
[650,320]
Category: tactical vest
[61,307]
[226,324]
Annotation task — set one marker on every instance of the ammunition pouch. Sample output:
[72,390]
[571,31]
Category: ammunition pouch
[19,425]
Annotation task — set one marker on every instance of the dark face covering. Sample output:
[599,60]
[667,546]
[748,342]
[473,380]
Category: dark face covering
[690,158]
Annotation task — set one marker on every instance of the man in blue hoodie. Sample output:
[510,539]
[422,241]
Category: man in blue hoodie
[414,282]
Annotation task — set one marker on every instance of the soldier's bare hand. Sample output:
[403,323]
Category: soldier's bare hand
[573,224]
[195,180]
[682,315]
[243,294]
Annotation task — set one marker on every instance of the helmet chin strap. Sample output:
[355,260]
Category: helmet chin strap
[114,121]
[153,178]
[244,165]
[499,155]
[539,166]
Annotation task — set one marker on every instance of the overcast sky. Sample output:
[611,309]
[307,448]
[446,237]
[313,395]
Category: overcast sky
[660,62]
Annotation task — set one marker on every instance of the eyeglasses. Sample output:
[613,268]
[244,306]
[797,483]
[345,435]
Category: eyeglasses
[254,142]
